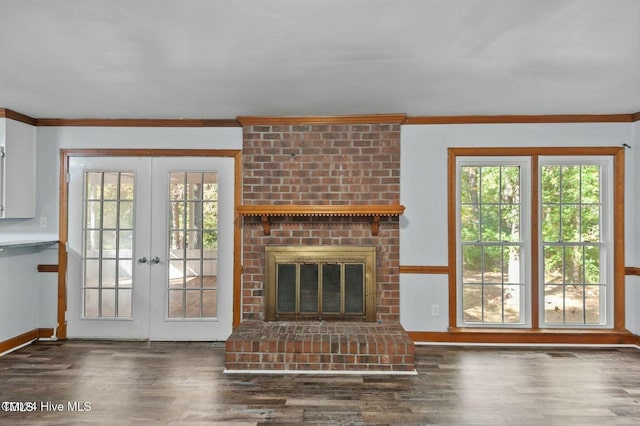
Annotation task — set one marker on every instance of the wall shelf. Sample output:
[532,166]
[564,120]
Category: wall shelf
[374,212]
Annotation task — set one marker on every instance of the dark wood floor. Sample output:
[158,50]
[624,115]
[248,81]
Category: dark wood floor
[183,383]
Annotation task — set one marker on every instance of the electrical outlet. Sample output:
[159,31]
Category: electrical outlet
[435,310]
[43,222]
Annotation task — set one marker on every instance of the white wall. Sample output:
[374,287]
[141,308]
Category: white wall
[29,299]
[632,233]
[423,191]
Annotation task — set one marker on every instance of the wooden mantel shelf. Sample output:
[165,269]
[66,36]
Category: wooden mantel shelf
[372,211]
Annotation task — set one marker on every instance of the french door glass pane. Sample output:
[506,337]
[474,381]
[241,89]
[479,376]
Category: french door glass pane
[193,274]
[125,273]
[91,303]
[209,303]
[93,214]
[108,244]
[193,244]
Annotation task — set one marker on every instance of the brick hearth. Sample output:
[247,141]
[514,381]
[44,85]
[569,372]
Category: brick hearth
[320,346]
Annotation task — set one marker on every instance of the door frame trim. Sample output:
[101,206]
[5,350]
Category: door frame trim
[67,154]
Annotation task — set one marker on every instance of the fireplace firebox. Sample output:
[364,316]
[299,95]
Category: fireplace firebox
[320,283]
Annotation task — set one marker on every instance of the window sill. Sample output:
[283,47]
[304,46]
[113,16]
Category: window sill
[537,331]
[528,336]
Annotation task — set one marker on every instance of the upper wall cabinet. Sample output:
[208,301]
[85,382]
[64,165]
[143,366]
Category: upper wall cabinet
[17,169]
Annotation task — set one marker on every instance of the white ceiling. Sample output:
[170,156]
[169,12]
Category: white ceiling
[224,58]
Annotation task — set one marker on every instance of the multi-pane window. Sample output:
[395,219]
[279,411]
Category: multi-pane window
[193,245]
[573,236]
[492,243]
[108,244]
[574,245]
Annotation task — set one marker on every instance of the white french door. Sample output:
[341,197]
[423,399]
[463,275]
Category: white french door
[150,251]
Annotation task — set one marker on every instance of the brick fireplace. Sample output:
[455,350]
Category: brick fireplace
[312,182]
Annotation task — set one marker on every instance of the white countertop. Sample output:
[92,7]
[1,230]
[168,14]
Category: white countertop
[27,240]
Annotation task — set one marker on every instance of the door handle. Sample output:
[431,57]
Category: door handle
[142,260]
[155,260]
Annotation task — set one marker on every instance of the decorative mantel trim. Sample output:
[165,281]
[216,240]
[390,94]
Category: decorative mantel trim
[373,211]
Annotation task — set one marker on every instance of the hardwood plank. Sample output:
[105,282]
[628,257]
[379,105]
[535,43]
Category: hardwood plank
[130,382]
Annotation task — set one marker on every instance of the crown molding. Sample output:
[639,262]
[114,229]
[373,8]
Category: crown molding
[318,119]
[8,113]
[523,119]
[134,122]
[322,119]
